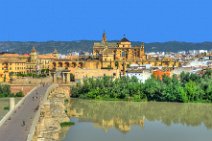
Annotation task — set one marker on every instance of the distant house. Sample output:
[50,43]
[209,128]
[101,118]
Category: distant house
[141,75]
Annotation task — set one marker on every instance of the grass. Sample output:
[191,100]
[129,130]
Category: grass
[66,124]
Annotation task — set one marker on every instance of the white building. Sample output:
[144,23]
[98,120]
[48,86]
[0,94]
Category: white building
[141,75]
[203,51]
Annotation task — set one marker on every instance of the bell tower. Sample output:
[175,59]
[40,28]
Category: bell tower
[55,53]
[104,38]
[142,51]
[33,55]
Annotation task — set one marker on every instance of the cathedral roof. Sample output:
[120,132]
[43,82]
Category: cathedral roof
[124,40]
[107,51]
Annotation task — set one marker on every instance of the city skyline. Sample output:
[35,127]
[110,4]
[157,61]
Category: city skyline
[148,21]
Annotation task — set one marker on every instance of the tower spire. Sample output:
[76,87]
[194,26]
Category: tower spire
[104,38]
[33,49]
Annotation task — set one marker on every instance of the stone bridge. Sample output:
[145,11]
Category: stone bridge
[24,121]
[52,112]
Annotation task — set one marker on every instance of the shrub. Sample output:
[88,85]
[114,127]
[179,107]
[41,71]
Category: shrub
[66,124]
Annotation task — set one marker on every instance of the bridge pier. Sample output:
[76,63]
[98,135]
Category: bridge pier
[12,103]
[66,76]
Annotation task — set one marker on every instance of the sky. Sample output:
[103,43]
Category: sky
[139,20]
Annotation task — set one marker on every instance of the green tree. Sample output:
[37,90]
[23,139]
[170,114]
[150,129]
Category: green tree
[193,91]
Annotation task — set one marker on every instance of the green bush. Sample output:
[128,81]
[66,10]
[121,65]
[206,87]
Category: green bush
[72,77]
[66,124]
[19,94]
[7,108]
[5,90]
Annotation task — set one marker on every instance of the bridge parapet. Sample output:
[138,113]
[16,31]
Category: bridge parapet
[37,116]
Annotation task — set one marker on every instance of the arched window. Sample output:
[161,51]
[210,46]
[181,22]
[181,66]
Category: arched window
[123,54]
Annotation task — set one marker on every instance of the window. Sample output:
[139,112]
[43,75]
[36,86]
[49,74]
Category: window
[123,54]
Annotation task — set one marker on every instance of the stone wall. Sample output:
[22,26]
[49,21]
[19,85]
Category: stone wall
[31,81]
[23,88]
[82,73]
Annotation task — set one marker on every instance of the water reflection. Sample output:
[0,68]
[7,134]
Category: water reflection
[123,115]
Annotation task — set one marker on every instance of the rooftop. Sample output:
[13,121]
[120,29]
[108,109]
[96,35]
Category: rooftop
[124,40]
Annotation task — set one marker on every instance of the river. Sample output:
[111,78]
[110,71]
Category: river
[134,121]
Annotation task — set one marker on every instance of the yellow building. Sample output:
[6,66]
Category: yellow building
[12,64]
[122,54]
[121,51]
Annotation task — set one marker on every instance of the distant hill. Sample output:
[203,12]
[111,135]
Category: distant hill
[65,47]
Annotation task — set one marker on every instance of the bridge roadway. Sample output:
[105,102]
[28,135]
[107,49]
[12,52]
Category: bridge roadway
[17,127]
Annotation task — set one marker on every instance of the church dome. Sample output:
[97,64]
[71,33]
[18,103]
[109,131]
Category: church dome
[124,40]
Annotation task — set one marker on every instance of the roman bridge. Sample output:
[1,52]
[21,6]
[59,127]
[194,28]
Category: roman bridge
[19,123]
[25,119]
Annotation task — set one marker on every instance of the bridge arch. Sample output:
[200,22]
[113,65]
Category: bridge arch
[73,64]
[67,65]
[54,65]
[80,64]
[60,64]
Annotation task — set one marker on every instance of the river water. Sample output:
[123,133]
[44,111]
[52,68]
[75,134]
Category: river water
[135,121]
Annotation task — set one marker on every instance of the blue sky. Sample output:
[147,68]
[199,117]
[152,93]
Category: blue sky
[140,20]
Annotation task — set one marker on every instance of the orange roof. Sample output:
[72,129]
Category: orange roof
[12,60]
[46,56]
[159,73]
[27,55]
[10,55]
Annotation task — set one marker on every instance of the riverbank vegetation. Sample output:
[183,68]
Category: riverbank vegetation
[185,88]
[33,75]
[66,124]
[5,91]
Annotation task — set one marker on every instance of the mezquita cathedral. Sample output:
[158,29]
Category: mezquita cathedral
[121,51]
[123,54]
[106,56]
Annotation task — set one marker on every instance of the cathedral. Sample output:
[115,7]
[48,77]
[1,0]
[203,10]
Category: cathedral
[121,51]
[122,54]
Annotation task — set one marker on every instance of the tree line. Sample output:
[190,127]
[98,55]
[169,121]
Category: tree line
[187,87]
